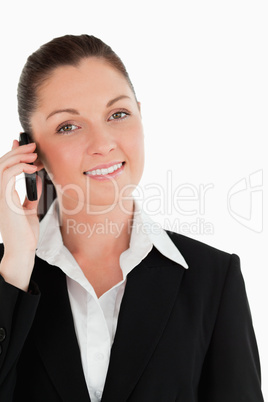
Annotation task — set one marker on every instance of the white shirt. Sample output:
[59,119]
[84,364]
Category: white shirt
[95,319]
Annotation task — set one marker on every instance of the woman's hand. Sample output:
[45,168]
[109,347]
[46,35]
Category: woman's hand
[19,224]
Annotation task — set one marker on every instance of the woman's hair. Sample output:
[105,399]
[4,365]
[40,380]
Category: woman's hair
[67,50]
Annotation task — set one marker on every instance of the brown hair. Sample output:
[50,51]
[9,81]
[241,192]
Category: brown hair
[62,51]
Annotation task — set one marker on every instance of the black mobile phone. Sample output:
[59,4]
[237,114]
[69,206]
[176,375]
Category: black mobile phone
[30,179]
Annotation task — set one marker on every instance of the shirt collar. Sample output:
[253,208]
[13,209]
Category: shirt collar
[145,234]
[145,229]
[50,239]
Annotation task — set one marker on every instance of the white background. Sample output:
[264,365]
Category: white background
[200,71]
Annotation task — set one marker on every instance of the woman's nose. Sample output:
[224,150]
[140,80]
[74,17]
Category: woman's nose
[100,141]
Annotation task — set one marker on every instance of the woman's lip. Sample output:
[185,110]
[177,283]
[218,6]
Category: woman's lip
[107,176]
[104,166]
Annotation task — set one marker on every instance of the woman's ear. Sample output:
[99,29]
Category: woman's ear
[39,164]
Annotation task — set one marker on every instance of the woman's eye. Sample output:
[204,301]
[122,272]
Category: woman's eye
[118,116]
[67,128]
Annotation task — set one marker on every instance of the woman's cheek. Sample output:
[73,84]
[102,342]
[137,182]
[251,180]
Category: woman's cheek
[135,138]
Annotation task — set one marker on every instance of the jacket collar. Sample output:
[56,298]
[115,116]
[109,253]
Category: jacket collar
[150,294]
[54,334]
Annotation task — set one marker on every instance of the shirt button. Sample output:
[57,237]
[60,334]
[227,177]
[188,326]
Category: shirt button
[98,394]
[99,356]
[2,334]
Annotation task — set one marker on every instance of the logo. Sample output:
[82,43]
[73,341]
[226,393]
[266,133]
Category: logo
[245,201]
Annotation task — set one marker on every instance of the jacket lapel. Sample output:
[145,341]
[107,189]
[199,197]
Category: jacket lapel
[52,320]
[150,294]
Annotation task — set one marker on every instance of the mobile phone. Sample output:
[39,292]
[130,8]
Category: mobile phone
[30,179]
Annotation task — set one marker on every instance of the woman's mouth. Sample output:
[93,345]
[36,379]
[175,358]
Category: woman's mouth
[100,173]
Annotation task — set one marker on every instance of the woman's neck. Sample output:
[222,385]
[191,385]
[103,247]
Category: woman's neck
[95,232]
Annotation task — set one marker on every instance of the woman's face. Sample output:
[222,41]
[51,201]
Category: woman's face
[89,133]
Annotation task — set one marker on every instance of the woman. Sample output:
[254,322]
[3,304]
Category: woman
[93,307]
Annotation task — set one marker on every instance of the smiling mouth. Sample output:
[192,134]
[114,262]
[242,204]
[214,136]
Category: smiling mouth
[105,171]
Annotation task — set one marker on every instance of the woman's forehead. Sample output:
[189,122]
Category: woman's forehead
[90,76]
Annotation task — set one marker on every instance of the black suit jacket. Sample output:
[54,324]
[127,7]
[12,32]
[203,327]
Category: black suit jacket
[182,335]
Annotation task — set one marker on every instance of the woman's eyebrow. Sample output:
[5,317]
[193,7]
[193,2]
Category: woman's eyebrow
[111,102]
[74,111]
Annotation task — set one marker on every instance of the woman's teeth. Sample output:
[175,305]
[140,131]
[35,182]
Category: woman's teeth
[104,172]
